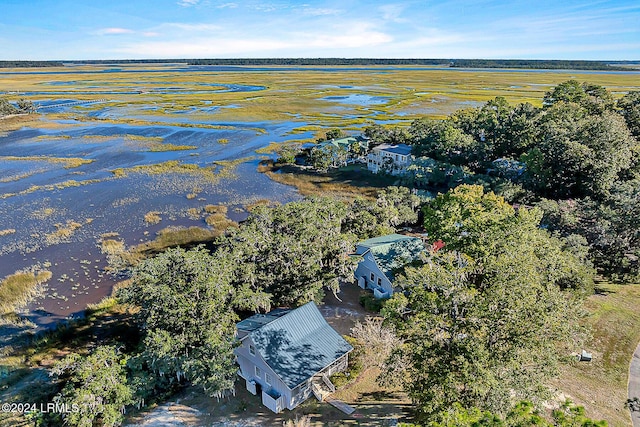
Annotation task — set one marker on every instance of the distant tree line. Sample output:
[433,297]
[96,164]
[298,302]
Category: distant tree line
[442,62]
[546,64]
[28,64]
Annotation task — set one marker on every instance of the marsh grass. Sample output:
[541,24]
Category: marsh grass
[69,162]
[162,147]
[221,209]
[260,202]
[19,176]
[348,182]
[174,167]
[152,217]
[51,187]
[219,222]
[19,288]
[43,213]
[601,385]
[175,236]
[194,213]
[278,147]
[62,233]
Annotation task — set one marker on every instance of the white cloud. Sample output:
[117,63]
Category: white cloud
[199,27]
[392,12]
[342,36]
[315,11]
[188,3]
[227,6]
[113,31]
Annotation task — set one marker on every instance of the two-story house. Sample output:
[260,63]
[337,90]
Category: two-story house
[285,356]
[393,159]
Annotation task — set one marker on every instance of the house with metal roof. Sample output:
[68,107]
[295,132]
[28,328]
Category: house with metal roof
[348,143]
[285,356]
[381,257]
[393,159]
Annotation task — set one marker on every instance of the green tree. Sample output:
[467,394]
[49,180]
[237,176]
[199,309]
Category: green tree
[594,98]
[486,326]
[294,251]
[480,334]
[522,414]
[578,154]
[609,227]
[366,219]
[399,204]
[630,109]
[95,388]
[441,140]
[186,311]
[569,91]
[482,224]
[379,134]
[334,134]
[328,156]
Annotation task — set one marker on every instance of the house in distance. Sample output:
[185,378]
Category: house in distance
[392,159]
[380,257]
[286,355]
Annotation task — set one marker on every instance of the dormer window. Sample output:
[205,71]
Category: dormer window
[252,350]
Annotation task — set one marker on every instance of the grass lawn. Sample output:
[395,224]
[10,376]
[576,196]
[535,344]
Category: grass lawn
[601,385]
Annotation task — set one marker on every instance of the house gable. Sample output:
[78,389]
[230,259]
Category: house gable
[383,255]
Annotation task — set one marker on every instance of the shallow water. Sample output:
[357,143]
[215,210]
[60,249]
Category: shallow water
[99,202]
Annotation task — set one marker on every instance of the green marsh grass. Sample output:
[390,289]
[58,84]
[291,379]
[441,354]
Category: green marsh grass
[19,288]
[69,162]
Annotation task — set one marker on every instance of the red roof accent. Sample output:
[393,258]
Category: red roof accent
[437,245]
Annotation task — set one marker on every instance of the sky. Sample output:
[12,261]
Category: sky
[492,29]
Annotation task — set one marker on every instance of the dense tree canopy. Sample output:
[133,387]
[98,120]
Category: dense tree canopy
[485,319]
[293,251]
[186,306]
[95,388]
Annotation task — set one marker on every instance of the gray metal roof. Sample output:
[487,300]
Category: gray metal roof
[298,344]
[402,149]
[257,320]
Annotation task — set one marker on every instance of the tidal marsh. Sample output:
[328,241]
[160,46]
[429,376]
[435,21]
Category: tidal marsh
[138,142]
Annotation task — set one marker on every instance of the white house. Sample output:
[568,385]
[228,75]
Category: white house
[285,356]
[380,257]
[393,159]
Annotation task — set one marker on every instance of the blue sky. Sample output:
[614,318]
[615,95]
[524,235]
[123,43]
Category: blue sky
[114,29]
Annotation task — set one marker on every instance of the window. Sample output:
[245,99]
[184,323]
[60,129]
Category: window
[267,378]
[373,278]
[379,281]
[252,350]
[258,372]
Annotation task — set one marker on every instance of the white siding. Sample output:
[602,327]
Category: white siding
[368,267]
[248,364]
